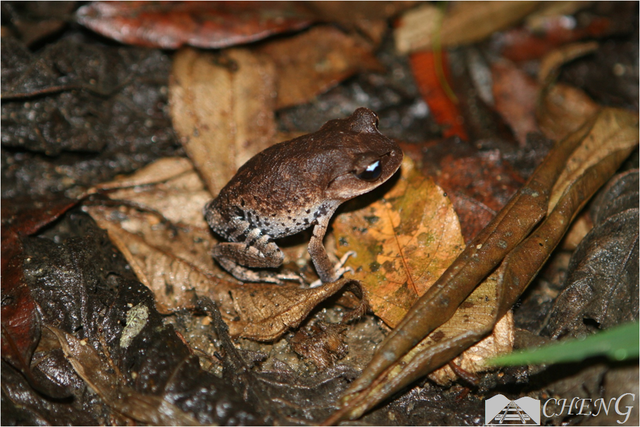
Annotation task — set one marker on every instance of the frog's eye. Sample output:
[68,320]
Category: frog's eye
[371,172]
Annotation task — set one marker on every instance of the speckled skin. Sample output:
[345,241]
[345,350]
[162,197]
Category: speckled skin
[294,185]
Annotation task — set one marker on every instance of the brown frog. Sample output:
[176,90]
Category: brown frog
[294,185]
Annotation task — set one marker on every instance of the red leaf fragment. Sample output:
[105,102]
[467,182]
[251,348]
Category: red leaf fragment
[20,319]
[524,44]
[169,25]
[425,68]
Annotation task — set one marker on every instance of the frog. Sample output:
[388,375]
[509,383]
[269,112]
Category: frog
[293,186]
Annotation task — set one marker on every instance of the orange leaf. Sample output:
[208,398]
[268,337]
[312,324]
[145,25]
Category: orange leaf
[403,243]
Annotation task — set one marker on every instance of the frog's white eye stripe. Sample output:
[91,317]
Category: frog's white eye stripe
[373,166]
[371,172]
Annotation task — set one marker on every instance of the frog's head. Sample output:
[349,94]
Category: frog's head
[361,157]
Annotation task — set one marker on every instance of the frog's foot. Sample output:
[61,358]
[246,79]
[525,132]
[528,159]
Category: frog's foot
[339,270]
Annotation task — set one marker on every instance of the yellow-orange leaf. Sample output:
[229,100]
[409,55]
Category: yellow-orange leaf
[403,243]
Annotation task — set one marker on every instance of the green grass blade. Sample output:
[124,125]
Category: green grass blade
[619,343]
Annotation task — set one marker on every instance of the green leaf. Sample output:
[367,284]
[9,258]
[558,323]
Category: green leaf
[619,343]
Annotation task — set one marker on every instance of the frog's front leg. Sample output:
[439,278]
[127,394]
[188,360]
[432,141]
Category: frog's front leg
[324,267]
[257,251]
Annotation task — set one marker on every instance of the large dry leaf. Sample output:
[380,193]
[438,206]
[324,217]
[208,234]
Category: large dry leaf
[170,25]
[465,22]
[168,186]
[267,311]
[403,243]
[617,128]
[304,73]
[515,93]
[222,108]
[99,374]
[174,264]
[396,362]
[562,109]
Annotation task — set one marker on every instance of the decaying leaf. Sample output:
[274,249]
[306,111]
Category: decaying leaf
[302,73]
[222,108]
[169,187]
[552,62]
[616,128]
[473,359]
[21,321]
[403,243]
[562,109]
[602,282]
[465,22]
[431,73]
[397,362]
[266,312]
[371,19]
[105,382]
[170,25]
[322,343]
[173,263]
[514,93]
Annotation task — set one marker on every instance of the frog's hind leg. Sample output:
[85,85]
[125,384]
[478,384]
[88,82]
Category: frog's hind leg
[257,251]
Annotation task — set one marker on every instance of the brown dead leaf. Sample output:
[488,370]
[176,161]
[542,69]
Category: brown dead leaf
[464,23]
[553,61]
[473,360]
[172,24]
[617,130]
[98,374]
[403,243]
[515,93]
[304,72]
[161,170]
[175,264]
[222,108]
[370,18]
[267,311]
[562,110]
[167,186]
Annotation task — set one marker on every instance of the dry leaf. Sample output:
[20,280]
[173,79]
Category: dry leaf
[222,108]
[515,93]
[167,186]
[616,130]
[562,110]
[473,359]
[161,170]
[305,72]
[366,17]
[170,25]
[466,22]
[267,311]
[174,264]
[403,243]
[149,409]
[551,63]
